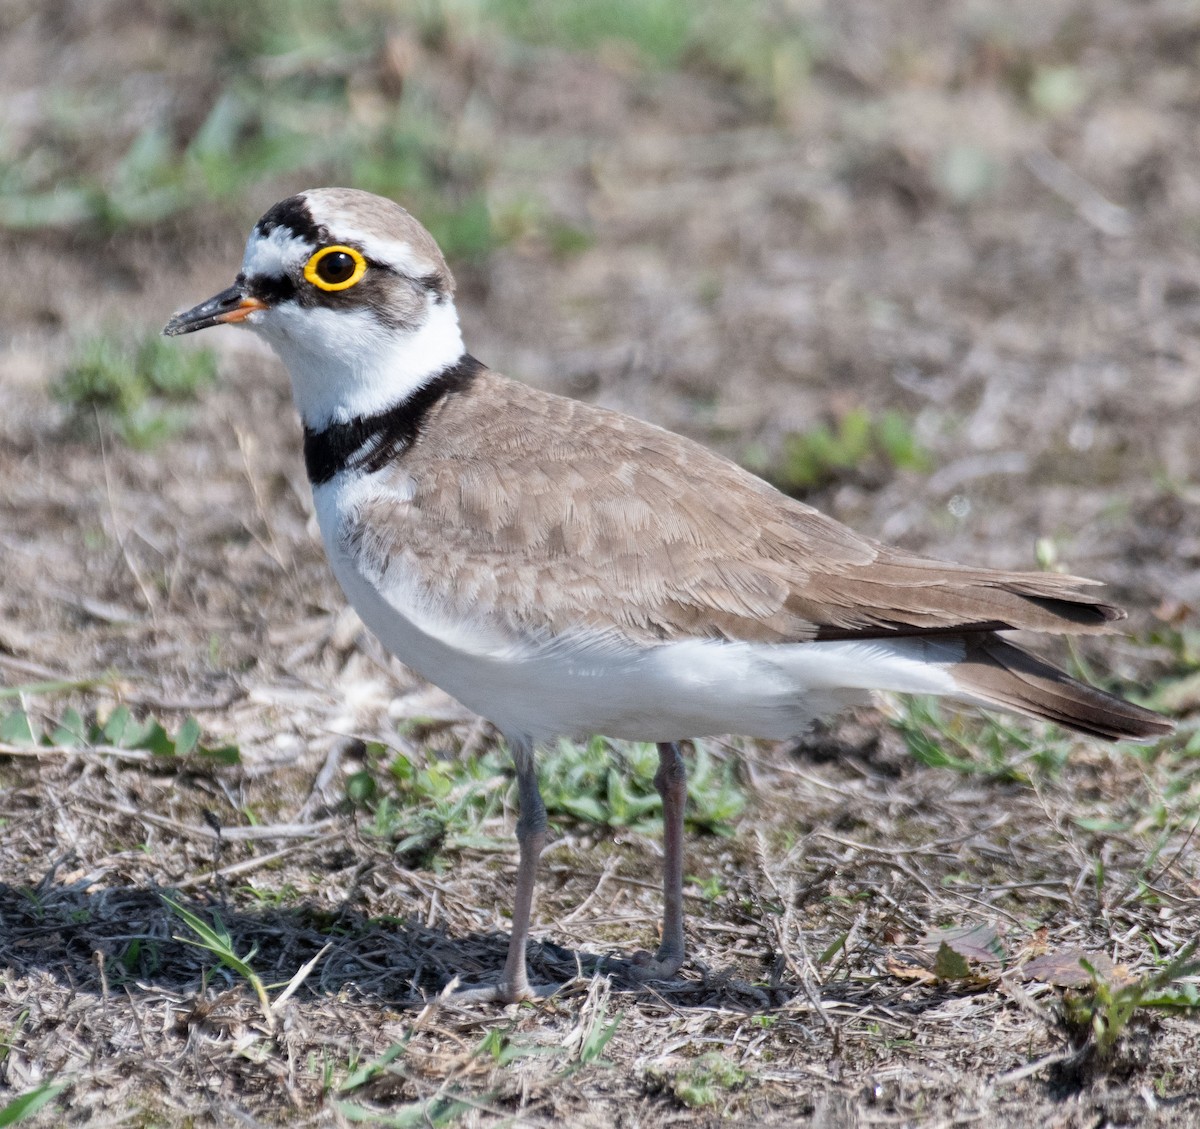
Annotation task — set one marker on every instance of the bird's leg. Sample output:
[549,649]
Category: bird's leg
[671,782]
[531,838]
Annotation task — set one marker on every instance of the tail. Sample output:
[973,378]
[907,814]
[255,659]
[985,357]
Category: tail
[994,672]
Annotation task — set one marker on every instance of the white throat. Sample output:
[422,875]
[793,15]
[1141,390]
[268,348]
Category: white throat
[345,364]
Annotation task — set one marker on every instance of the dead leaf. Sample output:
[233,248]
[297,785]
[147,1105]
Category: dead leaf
[980,944]
[963,953]
[1064,968]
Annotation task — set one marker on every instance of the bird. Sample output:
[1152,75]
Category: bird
[564,570]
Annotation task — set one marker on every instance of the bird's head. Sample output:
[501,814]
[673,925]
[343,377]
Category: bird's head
[351,292]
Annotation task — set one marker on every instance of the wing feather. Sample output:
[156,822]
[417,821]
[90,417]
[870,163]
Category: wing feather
[568,517]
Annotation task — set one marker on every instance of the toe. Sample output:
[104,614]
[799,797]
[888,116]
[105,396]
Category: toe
[502,993]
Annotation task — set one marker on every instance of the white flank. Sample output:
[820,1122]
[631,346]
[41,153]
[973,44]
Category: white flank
[345,364]
[539,687]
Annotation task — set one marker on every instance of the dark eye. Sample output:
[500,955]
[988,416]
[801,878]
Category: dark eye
[335,268]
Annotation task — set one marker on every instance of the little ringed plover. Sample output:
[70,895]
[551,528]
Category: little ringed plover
[566,570]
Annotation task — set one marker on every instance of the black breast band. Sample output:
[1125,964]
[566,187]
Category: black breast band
[369,443]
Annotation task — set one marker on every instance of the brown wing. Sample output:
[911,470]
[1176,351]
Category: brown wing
[553,515]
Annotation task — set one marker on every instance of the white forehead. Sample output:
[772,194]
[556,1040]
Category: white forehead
[275,254]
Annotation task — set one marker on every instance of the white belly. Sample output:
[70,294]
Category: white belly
[582,685]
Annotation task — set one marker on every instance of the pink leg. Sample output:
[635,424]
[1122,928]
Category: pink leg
[671,782]
[531,838]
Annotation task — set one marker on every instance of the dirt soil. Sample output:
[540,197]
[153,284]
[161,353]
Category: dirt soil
[749,271]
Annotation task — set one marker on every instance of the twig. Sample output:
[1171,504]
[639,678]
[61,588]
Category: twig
[57,686]
[806,972]
[228,834]
[237,869]
[329,769]
[37,752]
[156,701]
[1011,1076]
[52,682]
[130,563]
[609,868]
[1176,856]
[301,975]
[270,547]
[1085,198]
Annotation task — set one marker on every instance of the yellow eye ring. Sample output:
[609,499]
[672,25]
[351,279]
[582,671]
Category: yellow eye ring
[333,276]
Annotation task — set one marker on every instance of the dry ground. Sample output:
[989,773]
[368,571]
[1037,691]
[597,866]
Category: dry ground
[923,223]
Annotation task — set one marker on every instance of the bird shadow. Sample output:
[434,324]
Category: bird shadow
[129,938]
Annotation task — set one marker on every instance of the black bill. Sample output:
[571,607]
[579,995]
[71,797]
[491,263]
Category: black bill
[230,306]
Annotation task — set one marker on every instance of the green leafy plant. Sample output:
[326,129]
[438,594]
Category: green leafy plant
[857,444]
[141,958]
[712,887]
[30,1103]
[613,785]
[437,1111]
[590,782]
[213,937]
[284,74]
[440,804]
[300,93]
[360,1076]
[766,52]
[982,744]
[9,1038]
[1102,1015]
[659,29]
[597,1036]
[702,1081]
[119,731]
[433,806]
[140,389]
[406,163]
[499,1045]
[715,799]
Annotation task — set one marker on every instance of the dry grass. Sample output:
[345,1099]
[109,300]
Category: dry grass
[805,974]
[749,267]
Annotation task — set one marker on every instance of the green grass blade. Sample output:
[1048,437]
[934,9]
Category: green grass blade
[29,1103]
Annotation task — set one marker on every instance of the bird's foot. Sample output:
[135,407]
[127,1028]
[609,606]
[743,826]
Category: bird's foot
[644,968]
[501,993]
